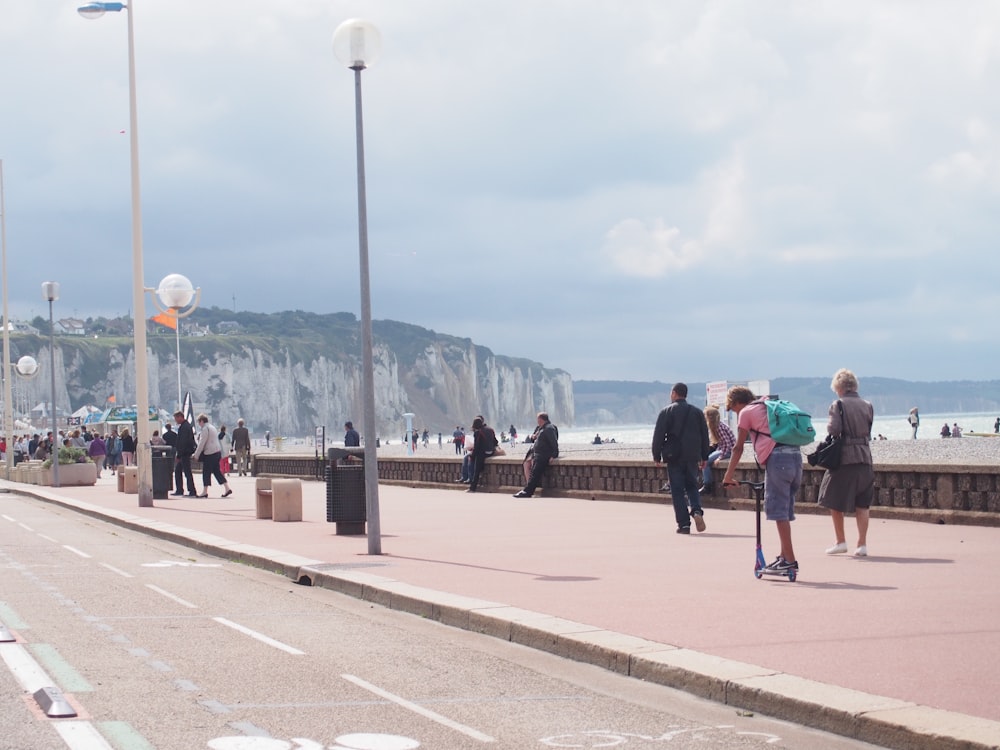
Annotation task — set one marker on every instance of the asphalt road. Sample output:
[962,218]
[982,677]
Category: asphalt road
[155,646]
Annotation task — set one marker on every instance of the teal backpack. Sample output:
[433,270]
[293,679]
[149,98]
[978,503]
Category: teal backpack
[789,425]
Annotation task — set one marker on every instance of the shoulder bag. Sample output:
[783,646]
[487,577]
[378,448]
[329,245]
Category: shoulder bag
[827,453]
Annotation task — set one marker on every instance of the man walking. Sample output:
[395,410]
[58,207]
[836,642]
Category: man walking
[184,448]
[680,438]
[241,444]
[351,437]
[545,447]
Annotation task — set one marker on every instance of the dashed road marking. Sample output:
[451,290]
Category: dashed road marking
[167,594]
[75,551]
[48,539]
[113,569]
[426,713]
[259,636]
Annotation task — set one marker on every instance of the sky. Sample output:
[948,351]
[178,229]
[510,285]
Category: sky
[639,190]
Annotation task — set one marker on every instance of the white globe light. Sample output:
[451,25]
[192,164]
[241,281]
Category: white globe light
[357,43]
[26,366]
[175,291]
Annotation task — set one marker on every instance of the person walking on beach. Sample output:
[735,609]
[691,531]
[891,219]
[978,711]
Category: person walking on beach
[183,450]
[680,439]
[721,441]
[209,450]
[544,448]
[850,487]
[914,420]
[782,468]
[458,438]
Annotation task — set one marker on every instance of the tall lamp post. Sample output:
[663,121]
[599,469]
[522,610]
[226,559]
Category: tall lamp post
[357,44]
[174,293]
[8,392]
[143,454]
[50,292]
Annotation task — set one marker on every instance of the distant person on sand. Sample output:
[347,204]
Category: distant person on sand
[914,420]
[850,488]
[945,431]
[996,426]
[956,431]
[458,438]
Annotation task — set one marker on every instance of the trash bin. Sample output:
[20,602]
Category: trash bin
[163,471]
[346,496]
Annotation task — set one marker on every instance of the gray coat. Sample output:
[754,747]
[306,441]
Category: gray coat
[856,428]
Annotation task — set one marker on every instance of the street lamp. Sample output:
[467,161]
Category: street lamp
[174,293]
[143,456]
[50,292]
[356,44]
[8,393]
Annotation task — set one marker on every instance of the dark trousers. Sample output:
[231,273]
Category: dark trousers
[210,468]
[182,469]
[478,464]
[683,478]
[538,467]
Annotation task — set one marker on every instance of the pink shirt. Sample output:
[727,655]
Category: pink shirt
[753,419]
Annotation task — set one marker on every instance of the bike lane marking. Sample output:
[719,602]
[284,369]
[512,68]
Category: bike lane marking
[113,569]
[81,735]
[170,596]
[426,713]
[75,551]
[259,636]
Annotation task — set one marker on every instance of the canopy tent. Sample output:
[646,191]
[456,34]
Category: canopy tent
[124,416]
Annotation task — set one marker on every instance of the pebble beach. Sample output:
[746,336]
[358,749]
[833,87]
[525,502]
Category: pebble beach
[965,451]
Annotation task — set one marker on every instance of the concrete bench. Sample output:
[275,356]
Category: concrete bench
[286,497]
[264,496]
[131,480]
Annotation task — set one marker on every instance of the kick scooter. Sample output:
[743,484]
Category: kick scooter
[760,566]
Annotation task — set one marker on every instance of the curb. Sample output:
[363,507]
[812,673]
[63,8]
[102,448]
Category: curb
[887,722]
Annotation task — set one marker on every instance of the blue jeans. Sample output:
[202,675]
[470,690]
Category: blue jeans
[712,458]
[683,478]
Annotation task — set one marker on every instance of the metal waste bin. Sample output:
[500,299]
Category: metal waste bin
[346,496]
[163,471]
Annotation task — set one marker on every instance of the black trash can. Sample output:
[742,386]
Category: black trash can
[346,496]
[163,471]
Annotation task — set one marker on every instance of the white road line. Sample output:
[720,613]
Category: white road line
[81,735]
[75,551]
[259,636]
[426,713]
[25,527]
[167,594]
[25,669]
[113,569]
[12,520]
[48,539]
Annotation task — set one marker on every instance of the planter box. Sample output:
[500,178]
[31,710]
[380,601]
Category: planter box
[72,475]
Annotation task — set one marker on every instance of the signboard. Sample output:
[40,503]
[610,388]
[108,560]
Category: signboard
[715,393]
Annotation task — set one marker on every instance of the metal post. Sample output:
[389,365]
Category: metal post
[8,399]
[143,454]
[367,342]
[177,331]
[55,432]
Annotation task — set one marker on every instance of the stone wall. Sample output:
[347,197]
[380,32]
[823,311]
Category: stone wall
[946,494]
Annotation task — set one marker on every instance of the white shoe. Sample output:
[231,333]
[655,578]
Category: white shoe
[861,551]
[838,549]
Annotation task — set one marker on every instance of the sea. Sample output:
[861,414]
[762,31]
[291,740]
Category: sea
[890,427]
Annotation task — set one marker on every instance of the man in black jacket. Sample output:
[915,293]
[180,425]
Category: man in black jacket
[680,438]
[545,448]
[184,449]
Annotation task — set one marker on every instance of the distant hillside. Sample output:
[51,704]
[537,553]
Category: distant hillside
[607,402]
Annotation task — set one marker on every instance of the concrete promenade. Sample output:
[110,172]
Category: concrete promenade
[900,649]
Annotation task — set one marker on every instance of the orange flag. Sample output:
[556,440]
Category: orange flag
[165,319]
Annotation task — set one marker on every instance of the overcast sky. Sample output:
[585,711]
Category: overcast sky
[630,190]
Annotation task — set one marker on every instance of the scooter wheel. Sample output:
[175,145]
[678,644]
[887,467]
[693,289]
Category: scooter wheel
[758,572]
[792,575]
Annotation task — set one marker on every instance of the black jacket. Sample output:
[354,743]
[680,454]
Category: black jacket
[546,441]
[687,423]
[185,439]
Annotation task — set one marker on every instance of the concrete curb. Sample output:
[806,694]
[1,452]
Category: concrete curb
[850,713]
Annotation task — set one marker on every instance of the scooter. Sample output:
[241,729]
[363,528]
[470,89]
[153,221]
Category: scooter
[760,565]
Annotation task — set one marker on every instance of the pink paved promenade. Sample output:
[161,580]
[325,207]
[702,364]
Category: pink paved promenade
[918,620]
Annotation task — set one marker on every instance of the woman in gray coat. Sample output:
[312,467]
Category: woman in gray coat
[851,487]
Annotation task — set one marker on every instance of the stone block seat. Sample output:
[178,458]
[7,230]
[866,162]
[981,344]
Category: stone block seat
[264,495]
[286,497]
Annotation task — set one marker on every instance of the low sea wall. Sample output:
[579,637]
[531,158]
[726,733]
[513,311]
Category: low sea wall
[940,494]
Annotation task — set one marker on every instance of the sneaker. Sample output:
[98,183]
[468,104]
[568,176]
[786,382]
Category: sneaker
[699,521]
[665,488]
[839,548]
[521,494]
[774,565]
[861,551]
[683,529]
[782,565]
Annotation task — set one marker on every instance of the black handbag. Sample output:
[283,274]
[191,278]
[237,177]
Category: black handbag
[827,453]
